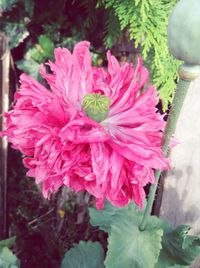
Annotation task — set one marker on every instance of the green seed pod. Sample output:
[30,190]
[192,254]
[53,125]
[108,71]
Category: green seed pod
[96,106]
[184,31]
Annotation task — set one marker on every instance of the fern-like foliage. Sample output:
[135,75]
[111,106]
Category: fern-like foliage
[147,21]
[112,30]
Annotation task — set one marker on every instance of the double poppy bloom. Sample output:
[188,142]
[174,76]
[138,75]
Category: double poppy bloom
[92,129]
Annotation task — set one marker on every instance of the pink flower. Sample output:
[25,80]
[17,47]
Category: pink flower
[112,159]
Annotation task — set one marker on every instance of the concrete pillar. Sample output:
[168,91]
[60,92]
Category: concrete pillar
[181,192]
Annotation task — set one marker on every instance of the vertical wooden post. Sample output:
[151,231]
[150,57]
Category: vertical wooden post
[4,103]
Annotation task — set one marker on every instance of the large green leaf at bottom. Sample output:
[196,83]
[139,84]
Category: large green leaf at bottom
[84,255]
[128,247]
[109,214]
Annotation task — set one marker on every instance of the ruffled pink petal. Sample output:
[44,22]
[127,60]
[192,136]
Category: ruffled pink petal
[82,54]
[116,170]
[139,195]
[117,80]
[117,180]
[113,64]
[126,96]
[72,75]
[100,84]
[100,153]
[37,114]
[174,141]
[65,75]
[84,130]
[119,199]
[136,133]
[141,154]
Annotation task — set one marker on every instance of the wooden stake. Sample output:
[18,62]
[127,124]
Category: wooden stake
[4,103]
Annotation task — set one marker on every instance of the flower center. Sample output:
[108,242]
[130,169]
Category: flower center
[96,106]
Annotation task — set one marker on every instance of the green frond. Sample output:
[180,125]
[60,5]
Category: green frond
[147,22]
[112,30]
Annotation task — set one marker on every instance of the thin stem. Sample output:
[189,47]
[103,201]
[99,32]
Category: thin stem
[179,97]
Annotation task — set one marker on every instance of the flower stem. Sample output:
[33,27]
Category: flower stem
[177,104]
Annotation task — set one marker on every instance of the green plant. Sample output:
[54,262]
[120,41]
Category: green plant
[146,22]
[7,258]
[14,20]
[158,246]
[36,55]
[87,254]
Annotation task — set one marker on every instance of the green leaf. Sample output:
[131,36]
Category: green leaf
[47,45]
[128,246]
[16,33]
[7,242]
[109,214]
[112,30]
[105,217]
[6,5]
[29,66]
[8,259]
[84,255]
[165,260]
[36,54]
[179,248]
